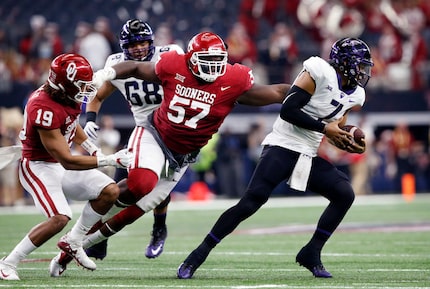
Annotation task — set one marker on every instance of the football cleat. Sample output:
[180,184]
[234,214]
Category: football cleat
[7,271]
[59,264]
[310,259]
[186,271]
[98,251]
[156,245]
[74,249]
[192,263]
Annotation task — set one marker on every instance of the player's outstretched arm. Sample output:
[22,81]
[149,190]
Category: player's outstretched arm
[142,70]
[259,95]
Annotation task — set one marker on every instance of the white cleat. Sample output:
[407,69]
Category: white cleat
[59,264]
[75,250]
[8,272]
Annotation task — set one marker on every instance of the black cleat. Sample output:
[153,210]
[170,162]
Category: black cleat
[156,245]
[310,259]
[98,251]
[186,271]
[192,263]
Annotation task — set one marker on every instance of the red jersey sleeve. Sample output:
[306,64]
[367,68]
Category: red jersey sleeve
[166,64]
[242,77]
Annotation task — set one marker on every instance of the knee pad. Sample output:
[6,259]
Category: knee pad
[141,182]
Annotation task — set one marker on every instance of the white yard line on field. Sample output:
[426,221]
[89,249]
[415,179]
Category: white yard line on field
[274,202]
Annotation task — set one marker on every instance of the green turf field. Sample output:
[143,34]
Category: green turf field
[384,242]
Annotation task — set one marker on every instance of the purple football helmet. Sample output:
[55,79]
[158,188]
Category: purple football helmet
[351,56]
[134,31]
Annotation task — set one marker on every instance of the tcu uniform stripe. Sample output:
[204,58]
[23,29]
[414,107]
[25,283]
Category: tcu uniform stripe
[137,136]
[38,189]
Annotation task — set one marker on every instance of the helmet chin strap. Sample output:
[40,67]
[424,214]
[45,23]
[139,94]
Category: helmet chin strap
[349,86]
[51,84]
[344,81]
[54,86]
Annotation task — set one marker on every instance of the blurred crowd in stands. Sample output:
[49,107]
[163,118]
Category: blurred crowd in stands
[271,36]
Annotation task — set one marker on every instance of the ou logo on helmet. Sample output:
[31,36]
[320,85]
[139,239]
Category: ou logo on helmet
[71,71]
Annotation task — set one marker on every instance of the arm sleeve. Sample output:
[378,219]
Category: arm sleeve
[291,110]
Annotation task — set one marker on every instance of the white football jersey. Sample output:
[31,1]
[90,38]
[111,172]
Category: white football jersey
[142,96]
[327,104]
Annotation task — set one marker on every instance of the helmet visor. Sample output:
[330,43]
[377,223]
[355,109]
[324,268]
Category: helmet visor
[364,74]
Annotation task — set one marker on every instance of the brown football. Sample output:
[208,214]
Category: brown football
[356,132]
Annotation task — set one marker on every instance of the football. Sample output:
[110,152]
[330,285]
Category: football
[357,133]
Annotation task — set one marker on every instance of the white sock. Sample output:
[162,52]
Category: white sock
[112,212]
[20,252]
[87,219]
[93,239]
[96,237]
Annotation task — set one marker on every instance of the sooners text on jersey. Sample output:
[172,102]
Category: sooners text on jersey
[192,111]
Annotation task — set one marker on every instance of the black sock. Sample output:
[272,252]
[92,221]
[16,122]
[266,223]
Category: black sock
[211,241]
[319,239]
[160,220]
[199,255]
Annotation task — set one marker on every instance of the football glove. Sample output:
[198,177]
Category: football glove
[91,129]
[102,75]
[121,159]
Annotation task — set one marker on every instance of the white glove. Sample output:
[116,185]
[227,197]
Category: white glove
[91,129]
[102,75]
[120,159]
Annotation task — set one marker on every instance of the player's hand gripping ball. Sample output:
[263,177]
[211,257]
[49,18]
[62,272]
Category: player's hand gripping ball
[357,133]
[359,143]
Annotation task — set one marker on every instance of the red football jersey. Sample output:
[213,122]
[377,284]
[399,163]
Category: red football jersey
[42,112]
[192,111]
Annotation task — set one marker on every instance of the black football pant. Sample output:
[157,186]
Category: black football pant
[276,165]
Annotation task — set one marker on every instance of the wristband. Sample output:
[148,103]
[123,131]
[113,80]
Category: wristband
[89,147]
[103,161]
[91,116]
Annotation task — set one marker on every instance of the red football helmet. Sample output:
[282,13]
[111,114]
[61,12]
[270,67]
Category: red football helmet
[207,56]
[72,74]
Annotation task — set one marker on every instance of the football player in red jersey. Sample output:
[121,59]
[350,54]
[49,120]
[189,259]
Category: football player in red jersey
[52,174]
[137,43]
[200,90]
